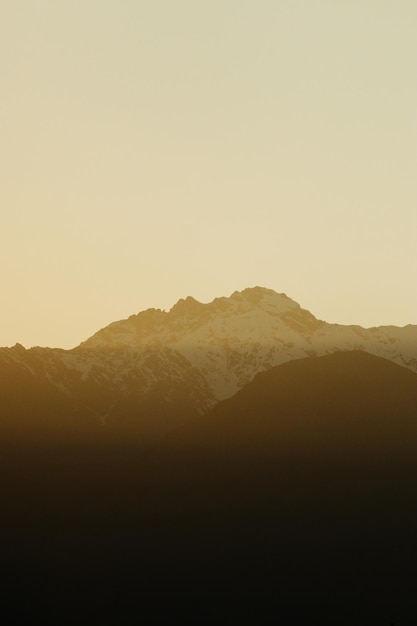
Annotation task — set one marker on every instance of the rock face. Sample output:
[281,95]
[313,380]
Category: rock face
[147,374]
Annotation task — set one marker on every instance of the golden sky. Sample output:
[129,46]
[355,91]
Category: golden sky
[152,150]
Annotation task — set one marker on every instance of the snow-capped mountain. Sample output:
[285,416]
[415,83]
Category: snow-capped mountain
[231,339]
[146,371]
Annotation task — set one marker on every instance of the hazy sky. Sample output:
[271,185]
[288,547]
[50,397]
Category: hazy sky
[156,149]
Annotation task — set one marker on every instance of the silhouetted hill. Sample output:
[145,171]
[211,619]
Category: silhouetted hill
[343,403]
[301,489]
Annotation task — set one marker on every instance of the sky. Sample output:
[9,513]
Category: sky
[156,149]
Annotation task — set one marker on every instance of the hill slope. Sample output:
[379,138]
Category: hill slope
[343,402]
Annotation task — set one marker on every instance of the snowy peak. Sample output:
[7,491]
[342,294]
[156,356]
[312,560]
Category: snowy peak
[239,302]
[188,314]
[250,298]
[264,299]
[230,339]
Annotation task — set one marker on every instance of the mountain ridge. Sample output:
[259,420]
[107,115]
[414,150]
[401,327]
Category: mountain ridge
[155,369]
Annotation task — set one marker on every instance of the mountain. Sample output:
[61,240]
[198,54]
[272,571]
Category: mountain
[146,375]
[230,339]
[291,502]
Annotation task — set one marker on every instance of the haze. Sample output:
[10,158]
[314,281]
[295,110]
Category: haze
[153,150]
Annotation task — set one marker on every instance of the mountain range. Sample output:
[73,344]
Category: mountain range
[144,376]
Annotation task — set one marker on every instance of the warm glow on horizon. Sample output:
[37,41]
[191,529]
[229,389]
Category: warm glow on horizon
[155,150]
